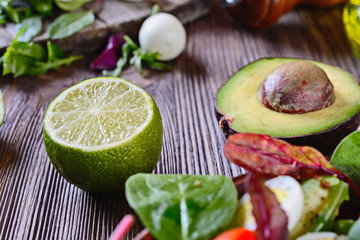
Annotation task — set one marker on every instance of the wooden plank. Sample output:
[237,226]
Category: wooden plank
[115,16]
[37,203]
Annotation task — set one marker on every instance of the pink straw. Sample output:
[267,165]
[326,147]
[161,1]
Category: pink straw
[123,227]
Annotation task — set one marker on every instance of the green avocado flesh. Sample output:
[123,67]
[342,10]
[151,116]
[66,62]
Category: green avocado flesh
[237,100]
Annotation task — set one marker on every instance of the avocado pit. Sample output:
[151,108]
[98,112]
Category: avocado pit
[296,87]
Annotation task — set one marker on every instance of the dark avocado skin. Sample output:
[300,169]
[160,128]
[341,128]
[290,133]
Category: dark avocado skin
[324,141]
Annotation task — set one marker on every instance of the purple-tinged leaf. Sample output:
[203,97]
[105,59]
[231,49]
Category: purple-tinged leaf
[271,157]
[108,58]
[271,219]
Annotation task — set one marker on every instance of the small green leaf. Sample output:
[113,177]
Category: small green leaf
[54,52]
[70,5]
[33,28]
[69,23]
[44,6]
[182,207]
[346,156]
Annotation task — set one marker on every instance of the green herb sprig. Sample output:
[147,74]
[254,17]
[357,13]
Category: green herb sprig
[22,58]
[135,55]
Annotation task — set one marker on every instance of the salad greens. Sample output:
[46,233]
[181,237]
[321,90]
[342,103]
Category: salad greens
[18,10]
[70,23]
[346,156]
[340,193]
[272,157]
[32,59]
[25,58]
[135,55]
[182,206]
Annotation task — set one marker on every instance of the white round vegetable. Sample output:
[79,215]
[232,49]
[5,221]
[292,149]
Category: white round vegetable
[163,33]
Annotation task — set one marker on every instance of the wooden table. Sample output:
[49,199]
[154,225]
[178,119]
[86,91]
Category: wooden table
[37,203]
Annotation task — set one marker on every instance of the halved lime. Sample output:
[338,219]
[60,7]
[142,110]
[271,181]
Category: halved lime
[100,131]
[2,109]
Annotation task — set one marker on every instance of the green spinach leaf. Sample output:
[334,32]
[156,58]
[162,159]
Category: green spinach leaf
[69,23]
[33,27]
[346,157]
[182,207]
[70,5]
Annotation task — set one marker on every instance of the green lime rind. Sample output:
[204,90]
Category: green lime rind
[107,170]
[2,109]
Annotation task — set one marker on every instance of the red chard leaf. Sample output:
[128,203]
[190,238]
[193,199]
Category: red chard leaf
[108,58]
[271,219]
[272,157]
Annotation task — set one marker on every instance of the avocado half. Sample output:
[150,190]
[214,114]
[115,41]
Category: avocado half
[238,108]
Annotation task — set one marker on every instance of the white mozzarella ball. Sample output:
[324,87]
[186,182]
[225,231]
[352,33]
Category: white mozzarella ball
[163,33]
[289,194]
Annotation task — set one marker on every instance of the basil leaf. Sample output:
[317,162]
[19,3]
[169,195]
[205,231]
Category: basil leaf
[326,220]
[70,5]
[33,27]
[182,207]
[346,157]
[69,23]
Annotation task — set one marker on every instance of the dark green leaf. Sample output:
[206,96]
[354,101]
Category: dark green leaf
[69,23]
[54,52]
[342,226]
[326,220]
[17,64]
[16,13]
[346,157]
[131,43]
[70,5]
[44,6]
[30,58]
[33,27]
[182,207]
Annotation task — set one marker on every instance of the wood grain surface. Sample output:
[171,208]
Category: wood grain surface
[37,203]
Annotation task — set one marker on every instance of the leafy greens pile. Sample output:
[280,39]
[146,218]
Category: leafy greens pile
[189,207]
[23,57]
